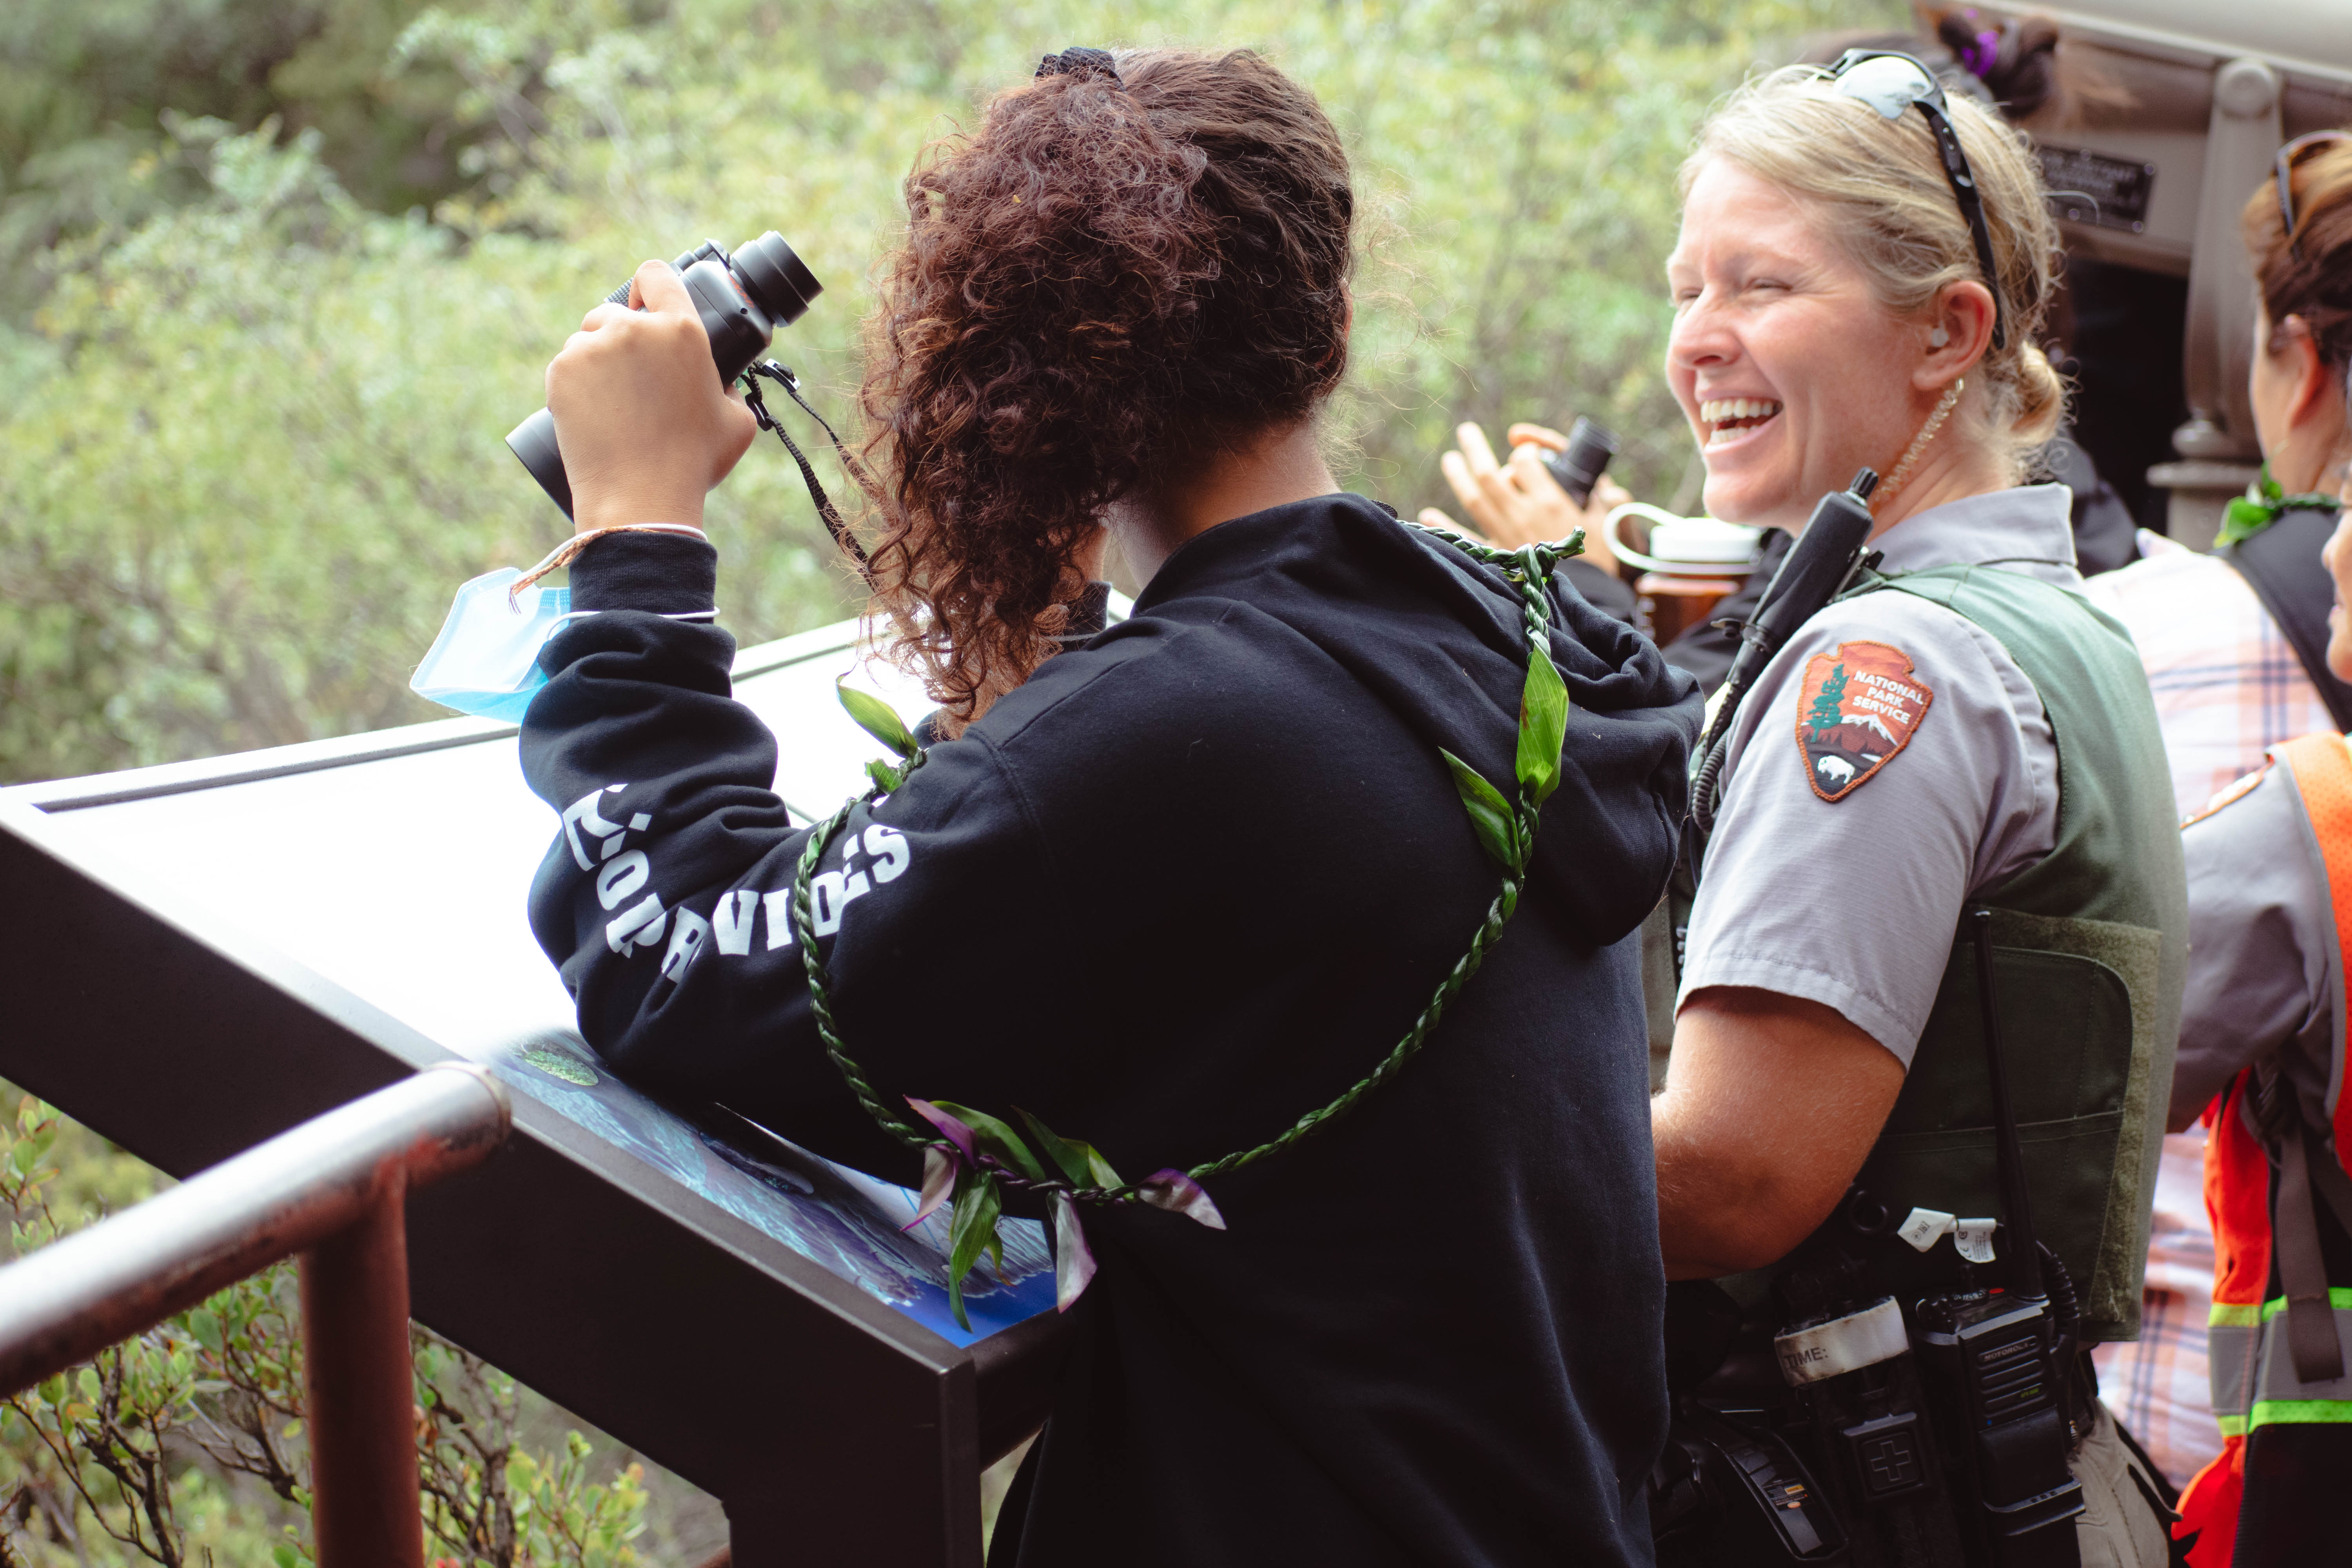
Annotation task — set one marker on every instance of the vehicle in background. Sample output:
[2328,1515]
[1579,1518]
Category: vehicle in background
[2186,105]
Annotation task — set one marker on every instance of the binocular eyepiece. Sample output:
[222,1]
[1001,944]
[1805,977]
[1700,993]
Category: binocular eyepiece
[741,298]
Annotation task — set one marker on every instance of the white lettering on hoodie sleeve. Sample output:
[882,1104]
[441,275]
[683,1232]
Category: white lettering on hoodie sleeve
[830,893]
[620,873]
[733,919]
[688,931]
[582,814]
[778,905]
[887,848]
[622,877]
[642,924]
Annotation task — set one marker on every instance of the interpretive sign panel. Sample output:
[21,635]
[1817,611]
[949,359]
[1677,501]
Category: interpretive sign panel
[206,954]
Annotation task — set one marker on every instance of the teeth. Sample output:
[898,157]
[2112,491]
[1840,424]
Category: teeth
[1716,411]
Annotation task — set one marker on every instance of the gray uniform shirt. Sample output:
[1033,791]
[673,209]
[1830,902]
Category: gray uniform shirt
[1840,875]
[2260,939]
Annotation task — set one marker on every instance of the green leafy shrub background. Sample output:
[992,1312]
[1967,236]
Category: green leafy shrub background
[250,423]
[185,1445]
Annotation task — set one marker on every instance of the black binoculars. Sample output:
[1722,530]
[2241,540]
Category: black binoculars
[741,298]
[1591,444]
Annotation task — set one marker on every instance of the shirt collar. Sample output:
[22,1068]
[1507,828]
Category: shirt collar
[2029,528]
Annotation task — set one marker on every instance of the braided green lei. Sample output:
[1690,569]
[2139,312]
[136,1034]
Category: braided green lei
[2245,517]
[971,1159]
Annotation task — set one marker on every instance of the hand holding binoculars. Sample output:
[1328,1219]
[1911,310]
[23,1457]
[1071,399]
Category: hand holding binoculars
[743,298]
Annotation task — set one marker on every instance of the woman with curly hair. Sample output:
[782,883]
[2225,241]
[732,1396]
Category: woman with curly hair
[1180,886]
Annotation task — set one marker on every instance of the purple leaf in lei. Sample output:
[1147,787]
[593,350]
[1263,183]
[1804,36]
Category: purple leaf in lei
[1180,1194]
[1074,1260]
[958,1133]
[939,1167]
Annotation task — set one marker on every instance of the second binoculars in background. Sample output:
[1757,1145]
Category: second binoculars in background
[1591,444]
[743,298]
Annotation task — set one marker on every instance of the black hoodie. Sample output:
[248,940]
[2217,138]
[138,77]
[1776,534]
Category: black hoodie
[1193,879]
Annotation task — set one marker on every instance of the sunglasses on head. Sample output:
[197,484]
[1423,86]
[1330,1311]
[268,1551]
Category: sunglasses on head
[1890,83]
[2288,156]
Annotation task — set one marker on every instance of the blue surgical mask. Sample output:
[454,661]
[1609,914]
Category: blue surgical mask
[486,660]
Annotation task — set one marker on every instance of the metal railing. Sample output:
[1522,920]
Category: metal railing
[333,1190]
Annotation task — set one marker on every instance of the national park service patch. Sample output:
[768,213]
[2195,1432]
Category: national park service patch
[1858,707]
[2229,797]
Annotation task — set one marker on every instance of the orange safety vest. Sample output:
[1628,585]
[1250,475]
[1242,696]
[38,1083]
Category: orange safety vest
[2277,1360]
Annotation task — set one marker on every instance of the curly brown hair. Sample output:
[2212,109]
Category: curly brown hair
[1115,273]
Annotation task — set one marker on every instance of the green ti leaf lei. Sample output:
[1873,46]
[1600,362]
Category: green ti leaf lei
[2245,516]
[971,1160]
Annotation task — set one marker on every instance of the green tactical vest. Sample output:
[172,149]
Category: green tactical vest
[2091,946]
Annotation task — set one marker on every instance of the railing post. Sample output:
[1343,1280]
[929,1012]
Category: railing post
[362,1400]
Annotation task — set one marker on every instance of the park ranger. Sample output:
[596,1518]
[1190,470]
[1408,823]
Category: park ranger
[1860,285]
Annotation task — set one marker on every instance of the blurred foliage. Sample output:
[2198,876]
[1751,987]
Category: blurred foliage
[84,85]
[287,270]
[185,1445]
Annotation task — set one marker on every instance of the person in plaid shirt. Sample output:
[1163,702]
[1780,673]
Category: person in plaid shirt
[2229,685]
[2228,688]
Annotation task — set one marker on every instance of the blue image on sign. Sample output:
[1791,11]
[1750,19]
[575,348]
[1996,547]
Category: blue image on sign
[844,1221]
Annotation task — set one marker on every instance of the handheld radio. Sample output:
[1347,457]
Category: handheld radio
[1995,1360]
[1825,559]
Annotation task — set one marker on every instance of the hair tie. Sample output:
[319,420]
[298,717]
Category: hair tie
[1982,53]
[1081,63]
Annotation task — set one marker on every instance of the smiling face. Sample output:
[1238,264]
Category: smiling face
[1791,374]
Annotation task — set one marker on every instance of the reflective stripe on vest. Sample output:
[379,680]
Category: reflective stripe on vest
[2237,1198]
[2254,1375]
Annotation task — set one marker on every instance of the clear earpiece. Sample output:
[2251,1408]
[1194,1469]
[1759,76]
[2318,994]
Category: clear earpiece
[1939,338]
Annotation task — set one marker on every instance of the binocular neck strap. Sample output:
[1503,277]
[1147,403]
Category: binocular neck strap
[785,378]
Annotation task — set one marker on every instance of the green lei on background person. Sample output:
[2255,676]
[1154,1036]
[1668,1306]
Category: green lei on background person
[971,1159]
[2247,515]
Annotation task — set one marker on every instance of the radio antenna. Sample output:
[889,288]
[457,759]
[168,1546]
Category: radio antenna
[2024,1251]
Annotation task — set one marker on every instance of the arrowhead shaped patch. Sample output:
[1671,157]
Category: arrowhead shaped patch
[1857,708]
